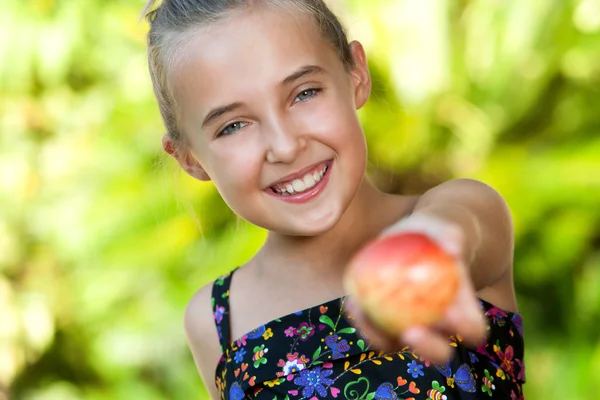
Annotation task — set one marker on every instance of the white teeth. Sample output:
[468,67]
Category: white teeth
[300,185]
[309,180]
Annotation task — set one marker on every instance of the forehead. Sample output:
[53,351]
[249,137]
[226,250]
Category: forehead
[248,50]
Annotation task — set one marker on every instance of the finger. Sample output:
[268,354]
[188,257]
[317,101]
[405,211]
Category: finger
[428,344]
[465,317]
[375,337]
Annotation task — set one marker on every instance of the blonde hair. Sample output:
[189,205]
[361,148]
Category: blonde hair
[171,20]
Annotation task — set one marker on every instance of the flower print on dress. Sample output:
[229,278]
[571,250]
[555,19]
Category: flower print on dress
[415,369]
[256,333]
[305,331]
[338,346]
[290,332]
[241,341]
[507,359]
[268,334]
[473,357]
[219,313]
[499,372]
[305,362]
[239,355]
[275,382]
[498,315]
[314,380]
[292,365]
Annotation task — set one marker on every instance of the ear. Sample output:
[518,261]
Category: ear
[361,76]
[185,158]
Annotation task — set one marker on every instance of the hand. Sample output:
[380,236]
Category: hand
[463,317]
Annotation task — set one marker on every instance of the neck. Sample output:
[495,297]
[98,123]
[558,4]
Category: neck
[327,254]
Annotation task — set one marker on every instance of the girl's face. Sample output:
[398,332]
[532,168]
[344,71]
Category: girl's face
[267,108]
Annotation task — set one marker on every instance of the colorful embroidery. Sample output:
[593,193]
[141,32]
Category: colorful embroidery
[317,354]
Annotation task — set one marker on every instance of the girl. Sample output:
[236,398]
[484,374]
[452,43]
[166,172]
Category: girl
[261,97]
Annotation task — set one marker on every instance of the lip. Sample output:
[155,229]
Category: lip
[310,194]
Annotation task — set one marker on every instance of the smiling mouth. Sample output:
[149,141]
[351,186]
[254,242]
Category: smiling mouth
[302,183]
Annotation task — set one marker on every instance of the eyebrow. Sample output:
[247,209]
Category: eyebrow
[303,71]
[299,73]
[217,112]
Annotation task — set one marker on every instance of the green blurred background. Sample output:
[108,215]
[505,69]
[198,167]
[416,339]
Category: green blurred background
[103,240]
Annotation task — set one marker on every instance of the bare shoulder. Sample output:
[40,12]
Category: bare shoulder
[470,190]
[485,202]
[202,336]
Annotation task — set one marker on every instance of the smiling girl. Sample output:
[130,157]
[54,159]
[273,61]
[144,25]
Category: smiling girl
[261,98]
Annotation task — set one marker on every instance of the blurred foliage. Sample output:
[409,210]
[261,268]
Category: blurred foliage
[102,241]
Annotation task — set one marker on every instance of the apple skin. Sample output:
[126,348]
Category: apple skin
[403,280]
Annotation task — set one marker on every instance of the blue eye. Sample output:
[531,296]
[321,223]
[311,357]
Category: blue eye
[232,128]
[306,94]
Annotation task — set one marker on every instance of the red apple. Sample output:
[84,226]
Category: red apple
[403,280]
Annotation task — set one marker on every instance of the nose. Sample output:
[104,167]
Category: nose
[284,142]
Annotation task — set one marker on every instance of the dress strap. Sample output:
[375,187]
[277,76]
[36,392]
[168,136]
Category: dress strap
[220,306]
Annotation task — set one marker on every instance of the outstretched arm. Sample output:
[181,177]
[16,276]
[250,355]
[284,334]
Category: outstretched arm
[472,222]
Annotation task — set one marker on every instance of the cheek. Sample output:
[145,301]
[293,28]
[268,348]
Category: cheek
[334,122]
[235,164]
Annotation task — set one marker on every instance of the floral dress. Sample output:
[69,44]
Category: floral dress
[317,354]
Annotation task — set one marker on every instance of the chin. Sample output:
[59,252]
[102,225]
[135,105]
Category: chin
[309,226]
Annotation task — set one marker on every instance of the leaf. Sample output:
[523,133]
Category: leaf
[316,353]
[327,321]
[356,371]
[371,396]
[362,357]
[361,343]
[376,362]
[346,365]
[317,363]
[347,330]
